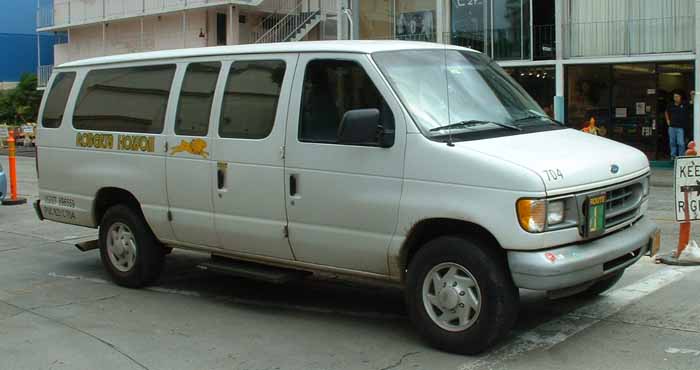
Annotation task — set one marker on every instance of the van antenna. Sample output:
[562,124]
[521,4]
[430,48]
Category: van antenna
[447,88]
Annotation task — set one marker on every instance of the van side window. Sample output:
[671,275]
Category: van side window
[196,97]
[132,99]
[250,99]
[331,88]
[58,97]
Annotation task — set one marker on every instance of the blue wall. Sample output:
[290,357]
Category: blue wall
[19,54]
[18,49]
[18,16]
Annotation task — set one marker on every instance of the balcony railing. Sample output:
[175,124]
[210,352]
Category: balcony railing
[71,12]
[630,37]
[43,75]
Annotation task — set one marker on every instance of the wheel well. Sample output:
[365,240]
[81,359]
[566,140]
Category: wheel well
[108,197]
[429,229]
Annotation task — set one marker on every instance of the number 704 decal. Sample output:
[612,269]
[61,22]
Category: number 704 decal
[554,174]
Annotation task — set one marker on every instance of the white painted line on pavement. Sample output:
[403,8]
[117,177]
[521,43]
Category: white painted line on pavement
[551,333]
[683,351]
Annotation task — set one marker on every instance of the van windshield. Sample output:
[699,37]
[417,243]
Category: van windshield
[460,94]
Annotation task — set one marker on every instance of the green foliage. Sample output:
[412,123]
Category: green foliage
[21,104]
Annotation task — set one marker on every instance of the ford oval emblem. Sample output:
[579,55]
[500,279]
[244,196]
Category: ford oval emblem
[614,169]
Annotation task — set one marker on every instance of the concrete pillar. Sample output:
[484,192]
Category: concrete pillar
[559,19]
[234,27]
[696,100]
[440,20]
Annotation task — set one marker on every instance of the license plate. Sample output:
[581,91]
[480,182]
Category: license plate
[595,217]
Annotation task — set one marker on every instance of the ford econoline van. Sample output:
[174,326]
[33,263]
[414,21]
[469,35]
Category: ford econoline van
[415,163]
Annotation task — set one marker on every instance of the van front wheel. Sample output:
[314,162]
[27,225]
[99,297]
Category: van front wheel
[460,296]
[129,251]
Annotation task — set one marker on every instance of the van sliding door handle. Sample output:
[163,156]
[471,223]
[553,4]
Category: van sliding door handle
[292,185]
[221,175]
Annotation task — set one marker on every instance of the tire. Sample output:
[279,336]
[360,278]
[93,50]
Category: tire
[494,289]
[602,286]
[133,257]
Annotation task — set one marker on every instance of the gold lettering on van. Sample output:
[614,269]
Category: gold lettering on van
[137,143]
[97,141]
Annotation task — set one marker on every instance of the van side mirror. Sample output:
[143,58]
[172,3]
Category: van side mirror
[362,127]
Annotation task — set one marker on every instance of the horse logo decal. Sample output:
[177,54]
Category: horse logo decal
[195,147]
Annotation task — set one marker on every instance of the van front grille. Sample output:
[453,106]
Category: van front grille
[622,204]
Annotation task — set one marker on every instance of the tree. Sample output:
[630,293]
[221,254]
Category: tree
[21,104]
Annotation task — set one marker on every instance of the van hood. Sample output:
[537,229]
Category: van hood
[566,159]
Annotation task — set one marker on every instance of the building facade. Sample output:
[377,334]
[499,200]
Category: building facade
[615,62]
[90,28]
[19,41]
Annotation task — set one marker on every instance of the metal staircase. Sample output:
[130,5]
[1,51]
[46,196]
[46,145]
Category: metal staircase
[291,21]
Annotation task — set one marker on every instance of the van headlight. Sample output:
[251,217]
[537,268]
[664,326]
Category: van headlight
[538,215]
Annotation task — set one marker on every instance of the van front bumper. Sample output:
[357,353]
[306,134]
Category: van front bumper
[576,264]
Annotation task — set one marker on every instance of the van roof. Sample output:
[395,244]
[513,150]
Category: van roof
[363,47]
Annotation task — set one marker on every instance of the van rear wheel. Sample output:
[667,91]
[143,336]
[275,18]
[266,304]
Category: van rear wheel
[130,253]
[460,296]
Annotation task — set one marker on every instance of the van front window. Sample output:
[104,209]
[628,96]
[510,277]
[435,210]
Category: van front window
[460,94]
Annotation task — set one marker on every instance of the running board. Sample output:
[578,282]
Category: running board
[87,246]
[270,274]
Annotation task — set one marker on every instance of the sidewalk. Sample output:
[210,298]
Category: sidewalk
[662,177]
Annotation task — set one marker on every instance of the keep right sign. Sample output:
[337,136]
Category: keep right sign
[687,187]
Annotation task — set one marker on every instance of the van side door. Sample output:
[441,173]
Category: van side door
[342,200]
[249,198]
[188,164]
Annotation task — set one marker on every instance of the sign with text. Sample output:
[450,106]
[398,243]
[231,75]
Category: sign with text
[687,187]
[4,132]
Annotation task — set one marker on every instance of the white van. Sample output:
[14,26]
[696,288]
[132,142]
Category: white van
[413,163]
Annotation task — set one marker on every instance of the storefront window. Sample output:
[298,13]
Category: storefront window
[400,19]
[416,20]
[539,82]
[626,102]
[376,19]
[501,28]
[588,96]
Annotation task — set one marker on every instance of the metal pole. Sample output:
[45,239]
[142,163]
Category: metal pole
[184,29]
[104,38]
[559,103]
[696,100]
[141,36]
[38,51]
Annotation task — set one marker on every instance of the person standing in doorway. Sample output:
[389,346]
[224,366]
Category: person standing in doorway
[677,118]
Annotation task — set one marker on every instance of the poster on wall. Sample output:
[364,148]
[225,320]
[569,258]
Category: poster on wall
[416,26]
[640,108]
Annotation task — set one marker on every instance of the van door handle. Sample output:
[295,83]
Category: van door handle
[221,174]
[292,185]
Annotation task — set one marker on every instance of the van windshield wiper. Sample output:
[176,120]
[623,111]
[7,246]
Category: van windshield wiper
[471,123]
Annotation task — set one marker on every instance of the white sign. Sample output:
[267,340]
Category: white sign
[621,112]
[4,132]
[28,129]
[640,108]
[687,187]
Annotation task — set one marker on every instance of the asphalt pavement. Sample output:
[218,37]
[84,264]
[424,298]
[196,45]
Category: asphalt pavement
[58,310]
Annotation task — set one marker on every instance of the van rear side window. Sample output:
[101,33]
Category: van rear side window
[250,99]
[58,97]
[130,99]
[196,97]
